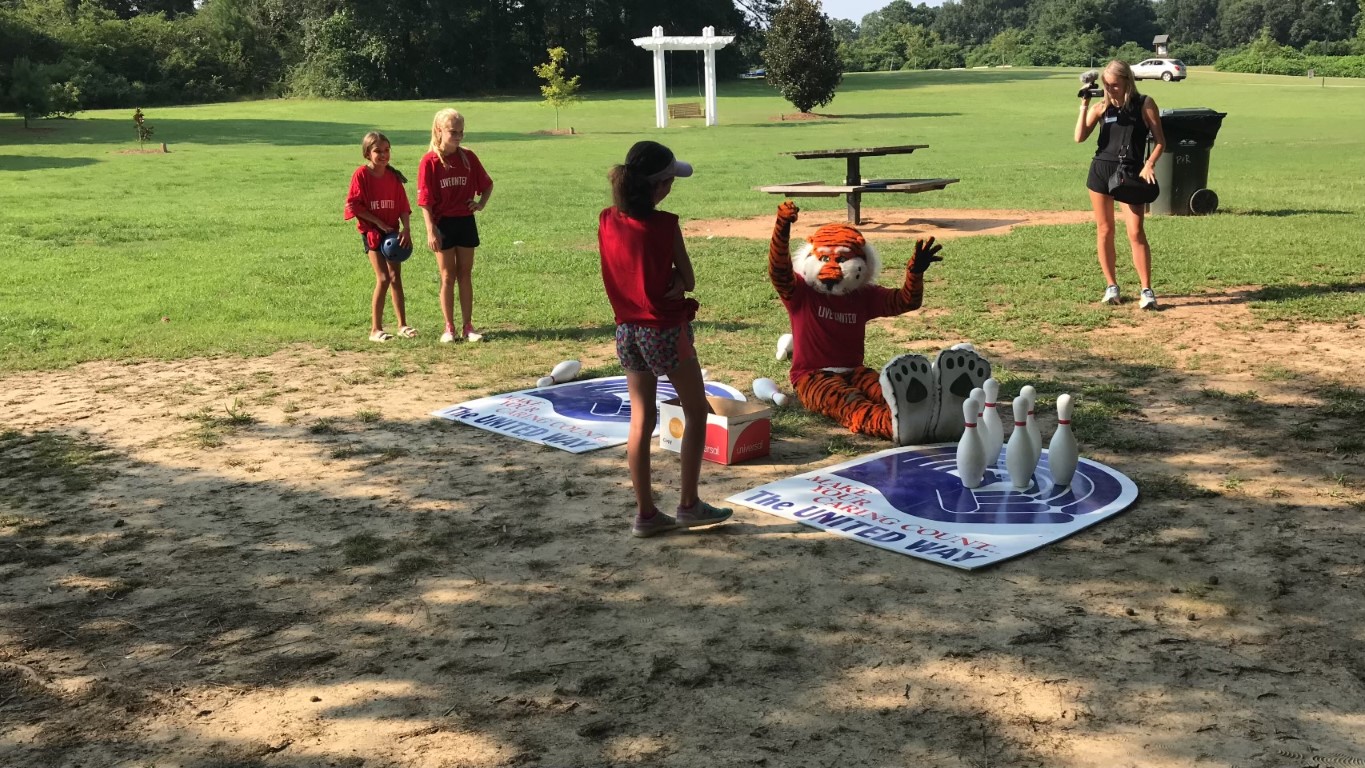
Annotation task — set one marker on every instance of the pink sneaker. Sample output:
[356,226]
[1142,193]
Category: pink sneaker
[658,523]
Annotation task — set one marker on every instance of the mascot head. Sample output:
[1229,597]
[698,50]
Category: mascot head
[837,260]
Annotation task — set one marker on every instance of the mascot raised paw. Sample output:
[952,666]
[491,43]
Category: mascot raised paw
[829,289]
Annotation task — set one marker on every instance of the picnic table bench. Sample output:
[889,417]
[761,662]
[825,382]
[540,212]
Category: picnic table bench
[855,186]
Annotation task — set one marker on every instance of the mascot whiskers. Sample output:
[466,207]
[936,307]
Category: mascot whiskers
[829,289]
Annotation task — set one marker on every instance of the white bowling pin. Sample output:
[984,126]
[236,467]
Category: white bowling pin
[545,381]
[971,458]
[705,374]
[1019,453]
[765,389]
[565,371]
[784,346]
[1062,452]
[991,430]
[1035,434]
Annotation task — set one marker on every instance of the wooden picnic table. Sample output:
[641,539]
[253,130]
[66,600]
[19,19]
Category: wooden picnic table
[854,184]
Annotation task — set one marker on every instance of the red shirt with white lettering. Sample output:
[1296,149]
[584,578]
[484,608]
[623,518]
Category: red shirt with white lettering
[447,189]
[381,196]
[831,329]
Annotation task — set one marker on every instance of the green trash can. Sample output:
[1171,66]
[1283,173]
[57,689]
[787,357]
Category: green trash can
[1183,169]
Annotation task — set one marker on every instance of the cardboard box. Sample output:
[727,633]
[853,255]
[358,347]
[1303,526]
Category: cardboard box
[738,430]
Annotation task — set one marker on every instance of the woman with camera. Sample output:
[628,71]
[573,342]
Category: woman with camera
[1125,118]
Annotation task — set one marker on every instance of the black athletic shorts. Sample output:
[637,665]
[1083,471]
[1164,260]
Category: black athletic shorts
[458,232]
[1100,171]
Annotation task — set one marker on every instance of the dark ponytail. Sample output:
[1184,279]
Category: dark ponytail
[631,191]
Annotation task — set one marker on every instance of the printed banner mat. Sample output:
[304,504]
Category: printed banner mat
[909,500]
[577,416]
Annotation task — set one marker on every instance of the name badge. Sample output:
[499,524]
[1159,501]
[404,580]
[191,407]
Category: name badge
[1111,118]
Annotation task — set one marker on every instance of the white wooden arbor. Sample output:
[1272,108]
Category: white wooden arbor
[658,43]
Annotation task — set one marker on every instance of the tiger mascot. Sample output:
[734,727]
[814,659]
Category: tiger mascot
[830,306]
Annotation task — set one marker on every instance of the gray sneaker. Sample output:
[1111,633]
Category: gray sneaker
[1148,300]
[644,527]
[1111,295]
[701,513]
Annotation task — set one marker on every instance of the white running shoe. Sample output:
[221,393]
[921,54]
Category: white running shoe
[1111,295]
[1148,300]
[448,336]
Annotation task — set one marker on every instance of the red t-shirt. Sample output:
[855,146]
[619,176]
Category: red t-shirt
[829,330]
[382,196]
[447,189]
[637,268]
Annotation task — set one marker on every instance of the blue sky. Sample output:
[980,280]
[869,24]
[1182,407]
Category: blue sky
[854,10]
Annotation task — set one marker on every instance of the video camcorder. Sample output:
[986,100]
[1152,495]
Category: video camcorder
[1088,89]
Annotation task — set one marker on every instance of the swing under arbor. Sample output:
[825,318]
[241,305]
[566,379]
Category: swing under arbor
[660,45]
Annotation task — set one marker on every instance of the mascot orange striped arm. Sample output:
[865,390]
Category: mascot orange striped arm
[830,292]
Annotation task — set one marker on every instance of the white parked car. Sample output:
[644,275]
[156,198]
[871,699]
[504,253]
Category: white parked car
[1166,69]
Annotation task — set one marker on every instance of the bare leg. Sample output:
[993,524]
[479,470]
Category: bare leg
[687,382]
[464,264]
[446,261]
[1103,206]
[644,414]
[1133,219]
[381,287]
[396,289]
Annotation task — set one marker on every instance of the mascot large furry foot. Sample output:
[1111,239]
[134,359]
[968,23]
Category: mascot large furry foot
[830,293]
[956,373]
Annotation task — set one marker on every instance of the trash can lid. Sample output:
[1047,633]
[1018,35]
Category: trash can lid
[1192,112]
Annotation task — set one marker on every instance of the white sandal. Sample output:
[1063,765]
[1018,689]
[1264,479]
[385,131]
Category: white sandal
[380,336]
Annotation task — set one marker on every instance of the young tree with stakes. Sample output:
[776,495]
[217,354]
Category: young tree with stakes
[558,90]
[144,129]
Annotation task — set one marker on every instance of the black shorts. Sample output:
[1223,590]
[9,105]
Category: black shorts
[458,232]
[1100,171]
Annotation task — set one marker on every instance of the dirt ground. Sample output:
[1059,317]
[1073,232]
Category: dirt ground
[886,223]
[285,561]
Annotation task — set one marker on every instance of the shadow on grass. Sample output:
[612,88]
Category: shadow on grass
[284,133]
[303,132]
[33,163]
[471,608]
[1286,212]
[1294,292]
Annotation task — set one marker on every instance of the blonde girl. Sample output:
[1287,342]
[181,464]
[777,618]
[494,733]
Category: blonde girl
[451,187]
[378,202]
[1121,108]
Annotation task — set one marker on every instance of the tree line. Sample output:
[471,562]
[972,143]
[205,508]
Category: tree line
[88,54]
[1086,32]
[61,56]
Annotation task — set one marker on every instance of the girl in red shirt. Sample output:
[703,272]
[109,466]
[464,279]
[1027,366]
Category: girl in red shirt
[379,204]
[449,180]
[646,271]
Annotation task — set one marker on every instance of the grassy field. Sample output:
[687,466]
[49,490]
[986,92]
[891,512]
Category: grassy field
[236,236]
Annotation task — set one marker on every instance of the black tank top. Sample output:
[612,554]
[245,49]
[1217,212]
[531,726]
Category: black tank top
[1112,125]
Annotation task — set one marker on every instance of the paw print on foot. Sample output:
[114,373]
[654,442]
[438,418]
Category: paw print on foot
[957,372]
[908,386]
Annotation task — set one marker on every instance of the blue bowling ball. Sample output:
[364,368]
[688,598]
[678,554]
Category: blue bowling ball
[393,249]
